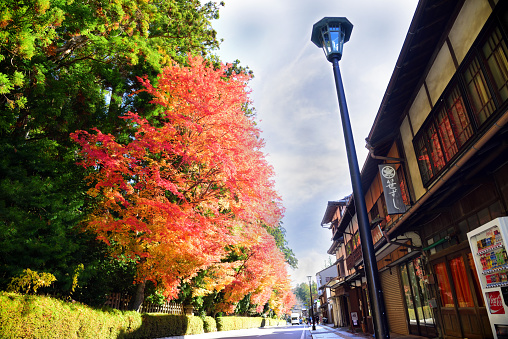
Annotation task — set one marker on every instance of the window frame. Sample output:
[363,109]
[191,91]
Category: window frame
[435,145]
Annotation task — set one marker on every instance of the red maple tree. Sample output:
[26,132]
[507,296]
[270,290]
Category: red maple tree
[191,183]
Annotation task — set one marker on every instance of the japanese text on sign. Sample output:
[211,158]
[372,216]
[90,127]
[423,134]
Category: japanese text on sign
[391,188]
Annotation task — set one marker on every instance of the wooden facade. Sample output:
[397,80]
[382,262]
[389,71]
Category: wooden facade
[443,124]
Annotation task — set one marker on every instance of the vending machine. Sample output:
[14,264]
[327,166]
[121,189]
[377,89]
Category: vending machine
[489,246]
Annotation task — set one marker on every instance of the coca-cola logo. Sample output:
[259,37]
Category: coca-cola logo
[495,302]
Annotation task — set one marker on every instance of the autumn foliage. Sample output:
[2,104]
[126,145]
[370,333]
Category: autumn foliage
[191,190]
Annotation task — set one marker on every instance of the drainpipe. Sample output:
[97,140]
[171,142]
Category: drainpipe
[378,157]
[453,169]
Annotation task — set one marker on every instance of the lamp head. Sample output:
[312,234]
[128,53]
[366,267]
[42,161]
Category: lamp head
[331,34]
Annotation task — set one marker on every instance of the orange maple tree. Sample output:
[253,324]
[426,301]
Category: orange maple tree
[263,275]
[191,183]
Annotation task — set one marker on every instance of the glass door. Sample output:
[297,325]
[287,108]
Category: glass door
[416,293]
[408,297]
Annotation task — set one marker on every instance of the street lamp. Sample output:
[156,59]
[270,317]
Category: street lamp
[331,34]
[311,304]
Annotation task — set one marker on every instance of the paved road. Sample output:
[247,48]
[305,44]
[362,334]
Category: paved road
[291,332]
[280,332]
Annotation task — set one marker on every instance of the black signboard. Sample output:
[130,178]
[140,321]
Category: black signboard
[391,187]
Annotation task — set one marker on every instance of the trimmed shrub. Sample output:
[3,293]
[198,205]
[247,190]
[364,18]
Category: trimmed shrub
[195,325]
[209,324]
[238,323]
[26,316]
[275,322]
[158,325]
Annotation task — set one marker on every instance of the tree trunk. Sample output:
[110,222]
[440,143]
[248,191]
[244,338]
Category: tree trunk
[139,297]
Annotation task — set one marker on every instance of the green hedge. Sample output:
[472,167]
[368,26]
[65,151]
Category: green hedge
[26,316]
[238,323]
[276,322]
[158,325]
[209,324]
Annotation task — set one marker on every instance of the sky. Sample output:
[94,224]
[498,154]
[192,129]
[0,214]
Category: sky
[294,95]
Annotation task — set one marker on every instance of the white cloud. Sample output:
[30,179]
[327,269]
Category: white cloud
[294,95]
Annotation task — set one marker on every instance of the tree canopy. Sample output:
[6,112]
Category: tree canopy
[176,174]
[189,187]
[302,292]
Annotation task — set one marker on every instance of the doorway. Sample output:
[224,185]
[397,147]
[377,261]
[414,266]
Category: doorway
[417,295]
[460,300]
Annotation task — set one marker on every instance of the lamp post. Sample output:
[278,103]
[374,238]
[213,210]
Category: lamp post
[311,304]
[331,34]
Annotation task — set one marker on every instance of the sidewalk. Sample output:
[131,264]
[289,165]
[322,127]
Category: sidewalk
[327,331]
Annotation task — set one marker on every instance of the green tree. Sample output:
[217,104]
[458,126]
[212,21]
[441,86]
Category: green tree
[67,65]
[279,234]
[302,292]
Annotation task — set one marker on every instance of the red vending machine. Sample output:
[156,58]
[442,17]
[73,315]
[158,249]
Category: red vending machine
[489,246]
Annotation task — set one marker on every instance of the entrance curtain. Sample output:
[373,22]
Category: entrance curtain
[462,288]
[445,289]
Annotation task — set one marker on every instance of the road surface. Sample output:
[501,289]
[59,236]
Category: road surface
[280,332]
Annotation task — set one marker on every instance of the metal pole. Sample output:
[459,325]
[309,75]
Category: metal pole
[369,257]
[311,306]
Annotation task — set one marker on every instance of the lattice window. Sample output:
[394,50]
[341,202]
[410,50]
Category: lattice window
[450,124]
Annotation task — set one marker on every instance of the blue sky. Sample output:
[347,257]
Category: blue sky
[296,102]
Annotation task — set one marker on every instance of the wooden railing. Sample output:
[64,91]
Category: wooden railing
[354,257]
[168,308]
[121,302]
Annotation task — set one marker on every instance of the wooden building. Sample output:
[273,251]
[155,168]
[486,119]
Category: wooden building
[442,127]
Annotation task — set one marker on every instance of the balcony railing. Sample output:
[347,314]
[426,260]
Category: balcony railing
[354,257]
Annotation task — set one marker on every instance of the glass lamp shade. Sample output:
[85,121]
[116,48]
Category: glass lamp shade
[331,34]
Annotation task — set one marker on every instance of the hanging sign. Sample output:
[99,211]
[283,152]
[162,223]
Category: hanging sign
[391,188]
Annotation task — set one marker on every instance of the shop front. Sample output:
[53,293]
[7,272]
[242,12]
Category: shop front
[340,293]
[461,304]
[418,299]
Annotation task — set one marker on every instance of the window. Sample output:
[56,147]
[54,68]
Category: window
[403,188]
[491,212]
[424,160]
[457,129]
[356,240]
[348,248]
[450,124]
[342,271]
[441,240]
[481,99]
[434,146]
[374,212]
[495,52]
[444,134]
[477,76]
